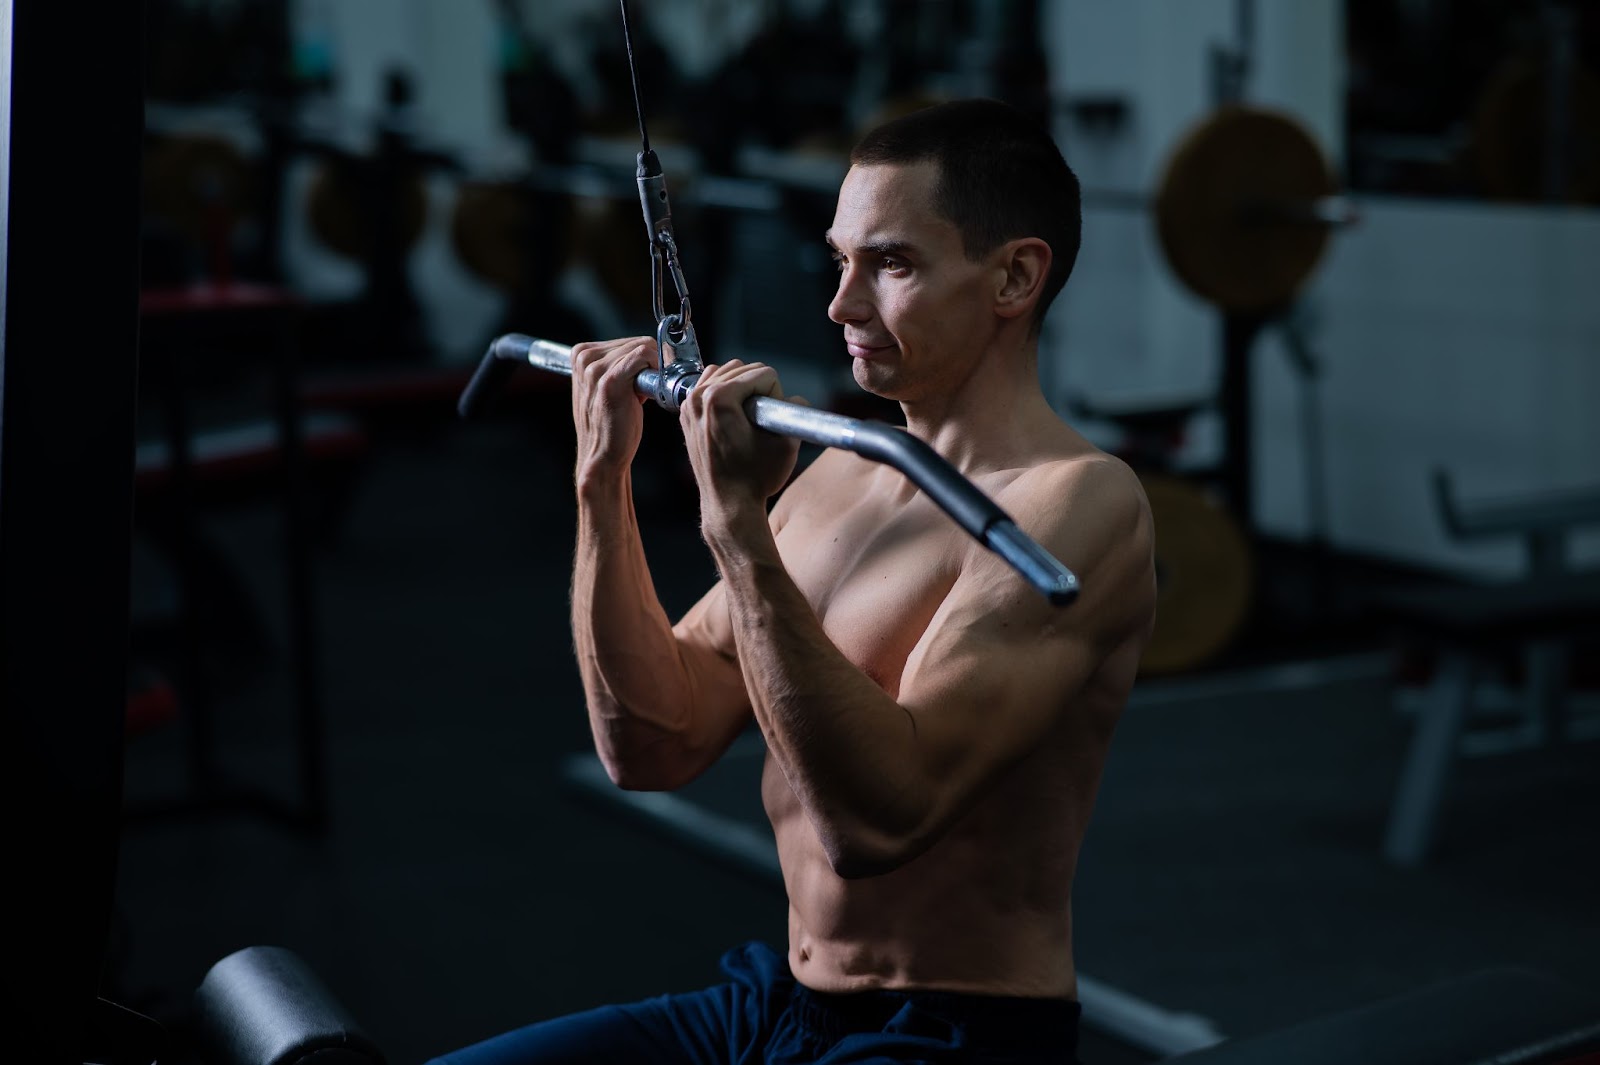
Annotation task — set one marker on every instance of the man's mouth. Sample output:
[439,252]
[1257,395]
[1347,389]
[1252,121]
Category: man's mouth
[865,351]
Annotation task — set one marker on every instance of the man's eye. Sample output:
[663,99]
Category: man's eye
[893,265]
[838,262]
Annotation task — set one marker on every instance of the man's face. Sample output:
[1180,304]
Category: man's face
[915,310]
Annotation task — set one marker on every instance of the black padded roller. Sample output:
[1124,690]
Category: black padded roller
[264,1006]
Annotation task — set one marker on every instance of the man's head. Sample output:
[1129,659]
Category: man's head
[1000,177]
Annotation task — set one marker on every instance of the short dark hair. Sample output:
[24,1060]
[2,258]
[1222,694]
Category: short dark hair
[1001,177]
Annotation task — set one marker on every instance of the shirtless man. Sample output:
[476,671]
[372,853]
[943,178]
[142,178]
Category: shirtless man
[935,728]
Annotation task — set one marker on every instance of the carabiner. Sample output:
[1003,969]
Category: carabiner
[675,330]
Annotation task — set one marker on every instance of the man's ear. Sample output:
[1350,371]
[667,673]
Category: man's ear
[1026,265]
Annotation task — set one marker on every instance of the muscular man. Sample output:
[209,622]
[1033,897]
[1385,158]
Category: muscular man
[935,728]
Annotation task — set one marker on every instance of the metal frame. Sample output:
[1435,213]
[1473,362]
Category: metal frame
[68,372]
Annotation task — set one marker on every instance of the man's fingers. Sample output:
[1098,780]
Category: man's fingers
[612,366]
[590,354]
[617,380]
[735,380]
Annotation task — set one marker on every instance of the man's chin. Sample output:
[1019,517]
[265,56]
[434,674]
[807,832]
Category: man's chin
[873,377]
[878,399]
[869,376]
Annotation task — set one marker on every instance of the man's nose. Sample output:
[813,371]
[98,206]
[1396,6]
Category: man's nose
[849,303]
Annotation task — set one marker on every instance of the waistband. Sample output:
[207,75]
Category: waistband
[991,1021]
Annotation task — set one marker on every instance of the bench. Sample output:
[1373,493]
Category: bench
[245,462]
[1467,626]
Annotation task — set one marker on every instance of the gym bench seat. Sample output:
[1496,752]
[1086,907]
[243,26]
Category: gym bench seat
[405,399]
[1466,626]
[235,461]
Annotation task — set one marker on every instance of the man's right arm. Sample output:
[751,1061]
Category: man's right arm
[663,705]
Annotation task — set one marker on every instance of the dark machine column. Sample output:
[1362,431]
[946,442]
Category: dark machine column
[71,112]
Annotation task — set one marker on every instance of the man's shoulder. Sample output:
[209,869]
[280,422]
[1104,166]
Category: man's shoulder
[1077,485]
[1089,510]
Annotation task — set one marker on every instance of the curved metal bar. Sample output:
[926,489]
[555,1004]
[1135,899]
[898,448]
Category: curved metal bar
[975,512]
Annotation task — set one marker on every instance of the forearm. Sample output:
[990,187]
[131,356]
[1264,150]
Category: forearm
[845,746]
[633,680]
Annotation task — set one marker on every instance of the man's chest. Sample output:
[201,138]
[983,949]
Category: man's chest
[875,572]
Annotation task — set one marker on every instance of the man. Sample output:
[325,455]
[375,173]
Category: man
[935,728]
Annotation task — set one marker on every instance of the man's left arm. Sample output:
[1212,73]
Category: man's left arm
[883,777]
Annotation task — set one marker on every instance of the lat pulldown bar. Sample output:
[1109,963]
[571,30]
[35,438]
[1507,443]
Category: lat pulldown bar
[878,441]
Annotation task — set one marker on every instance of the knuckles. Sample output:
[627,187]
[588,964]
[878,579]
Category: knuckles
[600,364]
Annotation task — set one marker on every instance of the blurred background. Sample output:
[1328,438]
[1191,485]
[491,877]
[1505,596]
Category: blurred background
[1335,302]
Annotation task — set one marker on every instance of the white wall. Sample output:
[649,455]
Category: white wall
[1456,335]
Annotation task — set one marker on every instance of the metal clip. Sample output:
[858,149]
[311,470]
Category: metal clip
[683,372]
[678,331]
[664,261]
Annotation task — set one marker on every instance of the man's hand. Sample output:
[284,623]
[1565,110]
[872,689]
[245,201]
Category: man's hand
[738,466]
[605,408]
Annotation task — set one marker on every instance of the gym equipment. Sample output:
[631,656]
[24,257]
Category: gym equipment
[244,462]
[1244,209]
[499,230]
[199,186]
[671,384]
[486,231]
[1205,579]
[893,446]
[179,328]
[346,220]
[1205,572]
[1543,521]
[1464,624]
[1509,1016]
[1244,213]
[1465,627]
[371,208]
[264,1006]
[69,261]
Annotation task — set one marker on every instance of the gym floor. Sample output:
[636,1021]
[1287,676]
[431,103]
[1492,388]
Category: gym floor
[463,887]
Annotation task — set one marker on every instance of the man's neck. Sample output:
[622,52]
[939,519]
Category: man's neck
[991,420]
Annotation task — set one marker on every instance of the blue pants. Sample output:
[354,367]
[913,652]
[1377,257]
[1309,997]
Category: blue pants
[762,1015]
